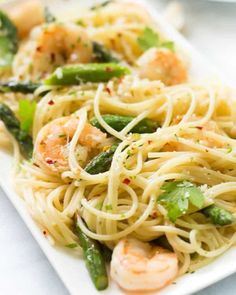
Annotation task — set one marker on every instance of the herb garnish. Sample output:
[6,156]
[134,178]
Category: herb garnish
[150,38]
[177,197]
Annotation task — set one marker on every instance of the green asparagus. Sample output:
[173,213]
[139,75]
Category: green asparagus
[95,261]
[13,126]
[101,54]
[218,216]
[106,252]
[8,40]
[102,162]
[23,87]
[77,74]
[119,122]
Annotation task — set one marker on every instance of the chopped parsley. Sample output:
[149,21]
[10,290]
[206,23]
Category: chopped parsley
[103,4]
[108,207]
[136,136]
[169,45]
[73,92]
[177,197]
[150,38]
[62,135]
[72,246]
[80,23]
[129,153]
[99,206]
[229,150]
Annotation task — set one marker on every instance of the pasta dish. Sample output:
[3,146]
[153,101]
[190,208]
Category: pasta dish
[119,155]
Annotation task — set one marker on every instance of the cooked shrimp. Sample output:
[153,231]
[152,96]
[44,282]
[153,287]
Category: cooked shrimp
[26,15]
[51,46]
[59,44]
[137,266]
[162,64]
[52,143]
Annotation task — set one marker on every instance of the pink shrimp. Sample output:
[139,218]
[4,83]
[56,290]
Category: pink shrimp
[162,64]
[137,266]
[52,143]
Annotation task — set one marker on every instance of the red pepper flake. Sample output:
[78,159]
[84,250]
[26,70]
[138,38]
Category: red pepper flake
[154,214]
[45,232]
[199,127]
[35,164]
[50,161]
[38,48]
[108,90]
[108,69]
[51,102]
[149,141]
[126,181]
[42,142]
[52,57]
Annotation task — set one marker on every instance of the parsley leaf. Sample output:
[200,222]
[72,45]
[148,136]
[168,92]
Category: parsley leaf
[26,114]
[229,150]
[177,197]
[169,45]
[101,5]
[150,39]
[72,246]
[108,207]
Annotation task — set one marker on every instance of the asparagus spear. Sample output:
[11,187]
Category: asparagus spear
[76,74]
[107,253]
[23,87]
[101,54]
[218,215]
[94,260]
[8,40]
[102,162]
[119,122]
[13,126]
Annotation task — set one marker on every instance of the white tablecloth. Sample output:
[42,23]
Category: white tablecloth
[24,270]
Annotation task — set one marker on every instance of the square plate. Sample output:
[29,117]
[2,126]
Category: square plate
[71,269]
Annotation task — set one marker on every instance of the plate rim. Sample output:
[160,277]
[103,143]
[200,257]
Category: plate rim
[32,225]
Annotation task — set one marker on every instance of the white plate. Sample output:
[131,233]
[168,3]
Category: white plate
[71,269]
[224,1]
